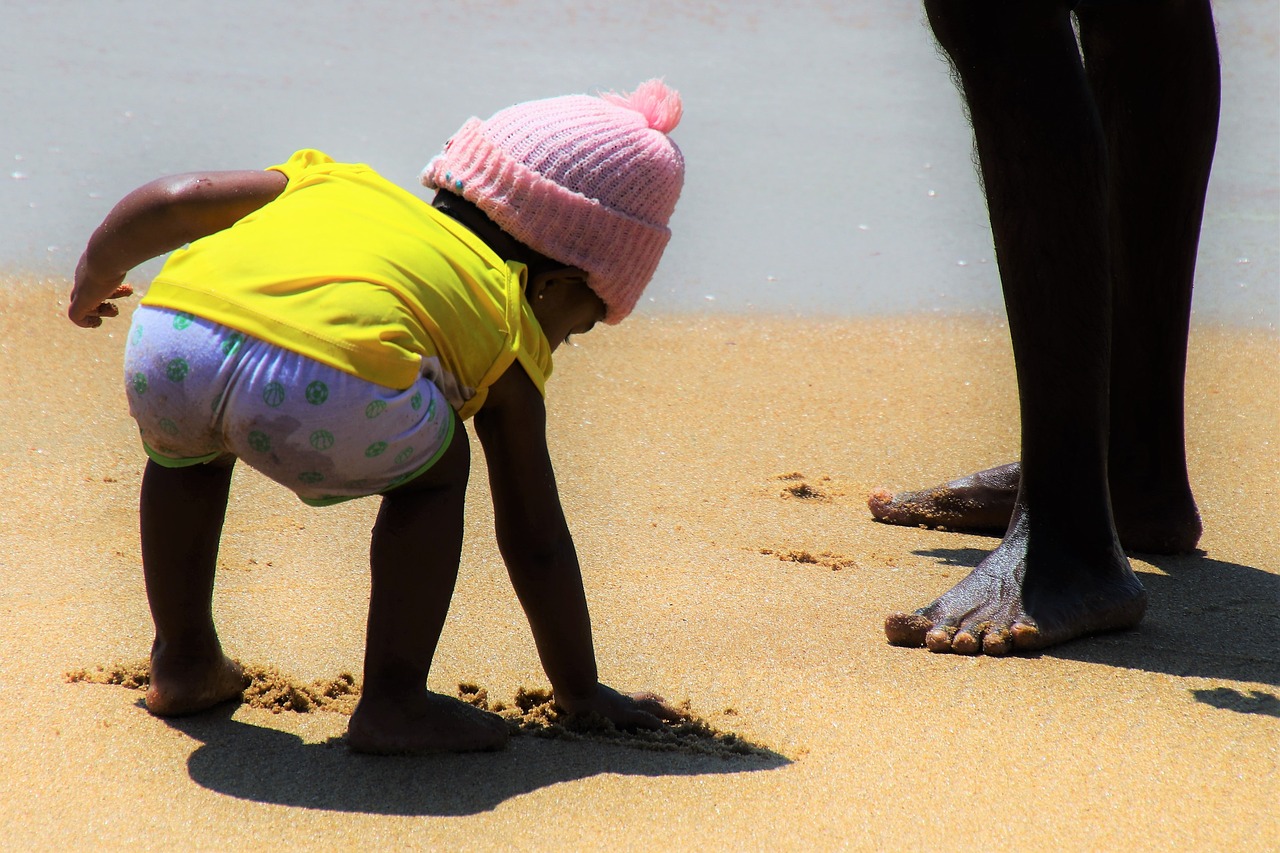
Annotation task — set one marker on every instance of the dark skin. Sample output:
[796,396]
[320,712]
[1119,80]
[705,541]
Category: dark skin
[417,539]
[1095,173]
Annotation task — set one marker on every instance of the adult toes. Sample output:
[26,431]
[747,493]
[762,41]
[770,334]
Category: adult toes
[997,641]
[907,629]
[940,637]
[968,640]
[880,501]
[1026,636]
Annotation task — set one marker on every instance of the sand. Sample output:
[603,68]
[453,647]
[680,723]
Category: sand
[714,471]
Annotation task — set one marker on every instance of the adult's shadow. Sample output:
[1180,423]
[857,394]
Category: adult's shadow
[1205,618]
[269,766]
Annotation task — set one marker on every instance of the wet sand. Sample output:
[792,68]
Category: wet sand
[714,471]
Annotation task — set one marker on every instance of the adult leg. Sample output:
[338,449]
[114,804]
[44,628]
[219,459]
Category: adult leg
[1153,69]
[1059,572]
[414,556]
[182,511]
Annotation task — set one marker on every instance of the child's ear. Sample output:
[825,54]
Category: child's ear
[561,277]
[536,287]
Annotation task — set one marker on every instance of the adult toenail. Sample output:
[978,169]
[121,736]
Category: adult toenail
[965,643]
[939,639]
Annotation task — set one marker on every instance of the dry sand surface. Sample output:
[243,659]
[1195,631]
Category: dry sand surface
[714,472]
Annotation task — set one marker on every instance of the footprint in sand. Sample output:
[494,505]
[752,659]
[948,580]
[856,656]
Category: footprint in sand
[797,486]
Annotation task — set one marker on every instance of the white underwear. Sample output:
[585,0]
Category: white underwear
[199,390]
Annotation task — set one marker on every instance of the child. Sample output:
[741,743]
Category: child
[334,332]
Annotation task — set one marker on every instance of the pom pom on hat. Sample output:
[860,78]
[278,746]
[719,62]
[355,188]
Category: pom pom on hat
[589,181]
[660,106]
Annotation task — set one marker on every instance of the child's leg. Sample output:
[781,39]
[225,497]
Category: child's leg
[416,547]
[182,513]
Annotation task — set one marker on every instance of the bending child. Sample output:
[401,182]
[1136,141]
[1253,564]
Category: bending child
[334,332]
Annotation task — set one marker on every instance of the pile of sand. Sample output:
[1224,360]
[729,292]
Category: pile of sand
[532,711]
[535,712]
[268,689]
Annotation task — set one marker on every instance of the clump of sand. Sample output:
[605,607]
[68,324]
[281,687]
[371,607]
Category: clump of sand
[531,711]
[829,559]
[268,688]
[534,712]
[135,676]
[798,487]
[273,691]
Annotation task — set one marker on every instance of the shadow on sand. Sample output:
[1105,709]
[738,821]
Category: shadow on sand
[1205,618]
[270,766]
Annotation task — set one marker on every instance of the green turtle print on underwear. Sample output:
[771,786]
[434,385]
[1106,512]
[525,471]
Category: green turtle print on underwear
[322,439]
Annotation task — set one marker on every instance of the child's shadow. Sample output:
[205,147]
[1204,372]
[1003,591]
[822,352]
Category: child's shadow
[270,766]
[1205,618]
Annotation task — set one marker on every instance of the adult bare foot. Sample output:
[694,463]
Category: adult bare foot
[188,685]
[981,502]
[1022,598]
[422,724]
[1154,518]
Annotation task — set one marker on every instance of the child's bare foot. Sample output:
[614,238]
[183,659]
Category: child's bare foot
[185,685]
[1155,519]
[426,723]
[1006,605]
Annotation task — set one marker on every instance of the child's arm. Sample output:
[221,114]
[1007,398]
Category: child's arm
[157,218]
[538,549]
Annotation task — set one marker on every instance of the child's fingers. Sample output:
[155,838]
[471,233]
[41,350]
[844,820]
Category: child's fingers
[655,705]
[636,718]
[93,319]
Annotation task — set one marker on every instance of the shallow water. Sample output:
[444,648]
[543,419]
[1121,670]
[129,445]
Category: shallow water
[829,161]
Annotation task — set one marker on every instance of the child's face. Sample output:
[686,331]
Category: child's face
[564,305]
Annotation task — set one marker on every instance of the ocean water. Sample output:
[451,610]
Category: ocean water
[829,162]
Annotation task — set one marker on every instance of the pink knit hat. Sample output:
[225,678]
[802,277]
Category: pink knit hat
[588,181]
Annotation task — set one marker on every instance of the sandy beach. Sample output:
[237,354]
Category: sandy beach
[714,471]
[827,320]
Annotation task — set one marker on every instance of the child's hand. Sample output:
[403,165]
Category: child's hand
[88,305]
[626,711]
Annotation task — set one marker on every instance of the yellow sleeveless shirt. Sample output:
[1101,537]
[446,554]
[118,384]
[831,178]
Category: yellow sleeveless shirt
[351,270]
